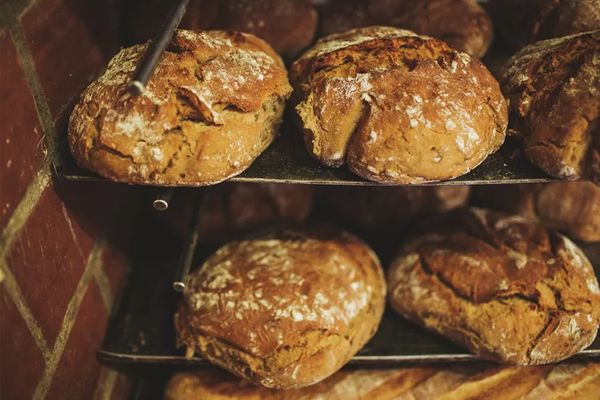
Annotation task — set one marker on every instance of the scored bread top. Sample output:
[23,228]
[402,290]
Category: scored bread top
[266,293]
[554,89]
[194,122]
[397,107]
[502,285]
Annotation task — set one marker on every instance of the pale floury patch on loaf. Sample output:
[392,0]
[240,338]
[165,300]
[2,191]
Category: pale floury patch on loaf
[428,112]
[211,107]
[504,287]
[272,303]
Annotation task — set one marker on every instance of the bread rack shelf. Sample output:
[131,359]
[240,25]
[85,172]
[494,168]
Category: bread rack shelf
[141,330]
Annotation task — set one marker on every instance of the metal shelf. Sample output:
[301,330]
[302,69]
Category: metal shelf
[141,330]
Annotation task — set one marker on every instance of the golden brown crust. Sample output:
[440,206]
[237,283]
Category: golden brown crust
[210,109]
[232,209]
[522,22]
[571,207]
[554,90]
[285,309]
[463,24]
[500,285]
[447,118]
[390,207]
[576,381]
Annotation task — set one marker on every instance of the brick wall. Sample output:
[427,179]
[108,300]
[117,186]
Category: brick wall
[63,246]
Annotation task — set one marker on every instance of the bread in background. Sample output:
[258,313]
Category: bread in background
[570,207]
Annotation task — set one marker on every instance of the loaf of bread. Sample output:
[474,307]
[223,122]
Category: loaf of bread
[289,26]
[574,381]
[390,207]
[554,92]
[286,309]
[570,207]
[232,209]
[463,24]
[397,107]
[212,106]
[521,22]
[501,285]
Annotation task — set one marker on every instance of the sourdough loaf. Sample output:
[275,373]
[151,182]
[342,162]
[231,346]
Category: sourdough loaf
[502,286]
[390,207]
[570,207]
[397,107]
[522,22]
[212,106]
[554,92]
[574,381]
[286,309]
[463,24]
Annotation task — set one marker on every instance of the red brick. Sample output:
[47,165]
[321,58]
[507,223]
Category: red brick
[78,369]
[48,260]
[21,364]
[119,389]
[116,265]
[70,41]
[122,388]
[21,144]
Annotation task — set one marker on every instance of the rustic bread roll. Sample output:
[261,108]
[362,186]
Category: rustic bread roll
[502,286]
[554,91]
[463,24]
[390,207]
[521,22]
[283,310]
[211,107]
[576,381]
[571,207]
[235,208]
[397,107]
[288,26]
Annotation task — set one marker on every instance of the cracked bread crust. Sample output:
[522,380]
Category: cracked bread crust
[463,24]
[397,107]
[554,92]
[502,286]
[212,106]
[286,309]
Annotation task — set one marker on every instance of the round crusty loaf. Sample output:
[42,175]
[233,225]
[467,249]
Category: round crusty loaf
[236,208]
[502,286]
[397,107]
[521,22]
[459,381]
[286,309]
[390,207]
[554,91]
[571,207]
[211,107]
[463,24]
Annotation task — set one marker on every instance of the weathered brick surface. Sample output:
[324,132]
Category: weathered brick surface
[21,141]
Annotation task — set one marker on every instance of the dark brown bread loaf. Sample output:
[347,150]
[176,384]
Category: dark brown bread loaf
[463,24]
[288,26]
[212,106]
[554,92]
[522,22]
[571,207]
[236,208]
[574,381]
[502,286]
[390,207]
[284,310]
[397,107]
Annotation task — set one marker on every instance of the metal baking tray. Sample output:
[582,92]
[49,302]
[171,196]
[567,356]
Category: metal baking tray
[141,329]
